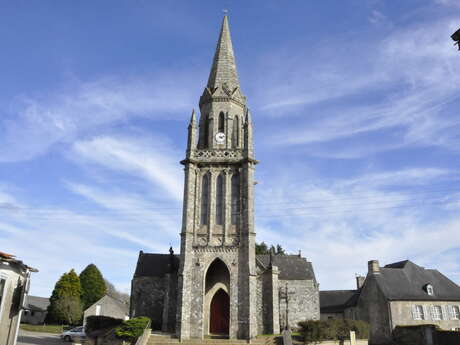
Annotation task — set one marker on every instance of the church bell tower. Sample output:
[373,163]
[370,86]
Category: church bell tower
[217,278]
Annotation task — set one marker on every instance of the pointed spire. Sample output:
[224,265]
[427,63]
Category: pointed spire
[224,67]
[248,118]
[192,119]
[192,129]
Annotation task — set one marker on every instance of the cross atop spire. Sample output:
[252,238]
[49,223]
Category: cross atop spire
[224,67]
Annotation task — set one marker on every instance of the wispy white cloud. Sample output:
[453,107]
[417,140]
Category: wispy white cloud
[411,74]
[413,176]
[157,162]
[379,19]
[164,220]
[449,3]
[35,123]
[342,224]
[55,239]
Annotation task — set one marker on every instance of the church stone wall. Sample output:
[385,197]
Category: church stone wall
[195,275]
[259,304]
[170,304]
[303,301]
[148,295]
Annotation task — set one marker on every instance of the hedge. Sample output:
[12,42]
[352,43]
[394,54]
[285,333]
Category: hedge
[411,334]
[338,329]
[132,329]
[96,323]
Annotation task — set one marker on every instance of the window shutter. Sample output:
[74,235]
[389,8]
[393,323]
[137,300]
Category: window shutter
[414,312]
[433,312]
[450,312]
[426,311]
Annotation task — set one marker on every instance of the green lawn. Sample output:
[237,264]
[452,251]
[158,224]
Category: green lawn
[42,328]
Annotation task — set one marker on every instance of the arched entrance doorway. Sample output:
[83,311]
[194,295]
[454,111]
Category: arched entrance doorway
[217,299]
[219,313]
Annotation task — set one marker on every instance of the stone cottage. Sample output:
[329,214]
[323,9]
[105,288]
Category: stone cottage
[107,306]
[35,310]
[404,293]
[398,294]
[14,285]
[218,285]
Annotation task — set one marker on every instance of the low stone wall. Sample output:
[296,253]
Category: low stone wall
[144,338]
[341,342]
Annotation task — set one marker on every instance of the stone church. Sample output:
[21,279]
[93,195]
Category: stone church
[218,285]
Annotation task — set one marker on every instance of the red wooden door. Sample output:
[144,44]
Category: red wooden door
[220,313]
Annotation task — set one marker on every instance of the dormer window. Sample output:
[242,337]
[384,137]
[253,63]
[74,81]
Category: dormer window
[429,289]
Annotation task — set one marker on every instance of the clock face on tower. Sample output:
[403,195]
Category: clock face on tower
[220,137]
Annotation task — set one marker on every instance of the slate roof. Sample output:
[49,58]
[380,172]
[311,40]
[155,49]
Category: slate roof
[405,280]
[123,307]
[335,301]
[36,303]
[155,265]
[291,267]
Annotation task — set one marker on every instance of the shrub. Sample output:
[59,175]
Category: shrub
[333,329]
[407,335]
[96,323]
[132,329]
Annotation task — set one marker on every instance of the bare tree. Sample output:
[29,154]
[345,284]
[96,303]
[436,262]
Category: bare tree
[113,292]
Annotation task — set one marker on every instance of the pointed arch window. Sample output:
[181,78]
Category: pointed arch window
[235,198]
[220,199]
[204,200]
[236,131]
[221,122]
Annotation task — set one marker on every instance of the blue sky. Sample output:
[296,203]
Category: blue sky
[355,107]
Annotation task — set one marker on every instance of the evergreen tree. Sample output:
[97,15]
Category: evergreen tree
[262,248]
[280,250]
[65,304]
[92,285]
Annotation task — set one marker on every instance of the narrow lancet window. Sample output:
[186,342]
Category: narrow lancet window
[220,199]
[235,198]
[221,122]
[205,199]
[205,133]
[236,131]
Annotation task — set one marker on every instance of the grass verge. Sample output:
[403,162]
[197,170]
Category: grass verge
[42,328]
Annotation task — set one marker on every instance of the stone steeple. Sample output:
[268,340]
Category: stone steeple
[222,105]
[223,69]
[217,237]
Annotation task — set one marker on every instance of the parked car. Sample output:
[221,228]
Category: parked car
[76,333]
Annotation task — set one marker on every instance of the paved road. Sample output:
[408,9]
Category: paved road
[36,338]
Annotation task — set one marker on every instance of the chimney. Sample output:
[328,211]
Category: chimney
[359,281]
[373,266]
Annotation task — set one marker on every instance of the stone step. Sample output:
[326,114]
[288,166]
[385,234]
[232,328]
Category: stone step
[196,343]
[167,339]
[199,341]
